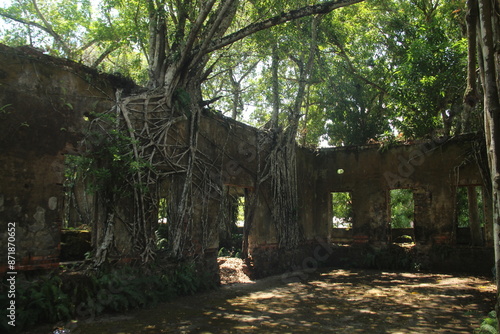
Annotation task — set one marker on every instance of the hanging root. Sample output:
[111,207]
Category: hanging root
[283,172]
[103,248]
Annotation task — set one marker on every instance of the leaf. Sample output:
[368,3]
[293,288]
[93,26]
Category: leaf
[486,328]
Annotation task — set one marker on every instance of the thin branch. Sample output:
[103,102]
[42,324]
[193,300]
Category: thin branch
[193,34]
[22,21]
[50,30]
[106,53]
[343,54]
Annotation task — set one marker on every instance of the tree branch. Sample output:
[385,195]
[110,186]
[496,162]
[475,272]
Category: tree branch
[193,34]
[322,8]
[471,97]
[50,30]
[220,25]
[106,53]
[22,21]
[345,56]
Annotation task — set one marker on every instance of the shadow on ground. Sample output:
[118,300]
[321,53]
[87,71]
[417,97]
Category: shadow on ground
[332,301]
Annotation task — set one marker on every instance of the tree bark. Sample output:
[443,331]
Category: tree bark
[488,35]
[157,46]
[471,97]
[275,88]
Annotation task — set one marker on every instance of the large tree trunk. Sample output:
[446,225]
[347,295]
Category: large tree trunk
[488,39]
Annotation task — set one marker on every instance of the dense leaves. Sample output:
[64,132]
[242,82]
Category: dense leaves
[378,69]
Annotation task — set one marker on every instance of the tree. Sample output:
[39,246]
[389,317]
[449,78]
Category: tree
[183,37]
[178,66]
[100,37]
[483,31]
[394,66]
[58,19]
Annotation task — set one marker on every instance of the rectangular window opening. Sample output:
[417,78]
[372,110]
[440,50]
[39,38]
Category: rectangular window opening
[162,229]
[463,207]
[402,210]
[342,210]
[240,218]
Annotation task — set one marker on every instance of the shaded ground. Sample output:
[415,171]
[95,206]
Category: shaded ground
[332,301]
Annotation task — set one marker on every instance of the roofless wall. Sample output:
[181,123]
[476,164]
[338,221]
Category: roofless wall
[45,104]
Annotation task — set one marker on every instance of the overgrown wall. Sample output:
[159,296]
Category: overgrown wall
[45,104]
[42,101]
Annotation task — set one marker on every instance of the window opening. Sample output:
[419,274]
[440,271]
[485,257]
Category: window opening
[240,219]
[341,210]
[162,229]
[463,208]
[78,209]
[402,210]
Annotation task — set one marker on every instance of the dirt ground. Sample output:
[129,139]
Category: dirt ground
[328,301]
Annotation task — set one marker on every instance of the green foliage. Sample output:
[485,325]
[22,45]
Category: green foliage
[54,298]
[489,325]
[232,248]
[342,209]
[379,67]
[110,163]
[40,300]
[463,206]
[3,109]
[402,208]
[162,236]
[105,34]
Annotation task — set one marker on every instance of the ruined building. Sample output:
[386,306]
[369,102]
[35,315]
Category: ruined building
[47,104]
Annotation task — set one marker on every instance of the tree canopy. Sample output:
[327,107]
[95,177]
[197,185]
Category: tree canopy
[366,72]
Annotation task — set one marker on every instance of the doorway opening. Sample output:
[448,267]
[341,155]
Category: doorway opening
[78,203]
[470,217]
[232,223]
[232,268]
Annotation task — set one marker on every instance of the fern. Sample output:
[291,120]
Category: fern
[52,299]
[489,325]
[486,328]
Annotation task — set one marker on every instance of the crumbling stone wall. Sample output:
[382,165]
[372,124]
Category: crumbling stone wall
[43,102]
[432,169]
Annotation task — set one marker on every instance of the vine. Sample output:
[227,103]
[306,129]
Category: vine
[138,147]
[282,171]
[144,144]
